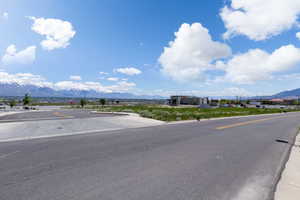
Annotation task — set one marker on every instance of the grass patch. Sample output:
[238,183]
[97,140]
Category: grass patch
[179,113]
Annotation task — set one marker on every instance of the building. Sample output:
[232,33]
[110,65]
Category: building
[276,101]
[188,100]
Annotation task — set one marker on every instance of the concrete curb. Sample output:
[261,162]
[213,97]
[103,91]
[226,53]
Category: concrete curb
[281,168]
[282,181]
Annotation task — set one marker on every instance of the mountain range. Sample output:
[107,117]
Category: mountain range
[295,93]
[15,89]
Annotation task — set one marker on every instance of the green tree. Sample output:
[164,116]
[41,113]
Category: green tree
[295,102]
[224,101]
[26,100]
[12,103]
[83,102]
[102,102]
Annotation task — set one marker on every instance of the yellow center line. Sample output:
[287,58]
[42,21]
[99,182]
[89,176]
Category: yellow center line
[246,123]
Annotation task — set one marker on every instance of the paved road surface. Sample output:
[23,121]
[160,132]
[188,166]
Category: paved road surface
[50,115]
[209,160]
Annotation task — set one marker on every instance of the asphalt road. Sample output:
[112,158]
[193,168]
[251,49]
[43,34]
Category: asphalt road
[209,160]
[50,115]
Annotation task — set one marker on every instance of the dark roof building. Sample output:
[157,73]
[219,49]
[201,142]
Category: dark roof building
[188,100]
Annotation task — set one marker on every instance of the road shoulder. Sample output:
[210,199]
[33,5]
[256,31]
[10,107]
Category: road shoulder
[288,187]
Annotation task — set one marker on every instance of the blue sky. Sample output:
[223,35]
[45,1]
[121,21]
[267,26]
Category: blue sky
[124,46]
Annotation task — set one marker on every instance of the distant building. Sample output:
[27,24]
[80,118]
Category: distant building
[278,101]
[188,100]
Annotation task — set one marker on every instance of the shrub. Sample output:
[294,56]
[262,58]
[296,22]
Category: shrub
[146,113]
[178,118]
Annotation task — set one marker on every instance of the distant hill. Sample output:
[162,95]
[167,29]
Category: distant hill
[288,94]
[19,90]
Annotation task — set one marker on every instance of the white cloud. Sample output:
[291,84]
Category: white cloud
[24,79]
[298,35]
[70,85]
[222,92]
[122,86]
[96,86]
[39,81]
[256,64]
[5,15]
[103,73]
[25,56]
[294,76]
[191,53]
[128,71]
[112,79]
[75,78]
[259,19]
[58,32]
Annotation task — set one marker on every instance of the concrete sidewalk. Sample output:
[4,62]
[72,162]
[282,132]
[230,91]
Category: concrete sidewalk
[288,187]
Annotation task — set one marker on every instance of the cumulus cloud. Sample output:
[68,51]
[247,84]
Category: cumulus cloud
[191,53]
[230,91]
[256,64]
[71,85]
[128,71]
[103,73]
[75,78]
[259,19]
[58,32]
[5,15]
[39,81]
[25,56]
[112,79]
[298,35]
[96,86]
[24,79]
[122,86]
[293,76]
